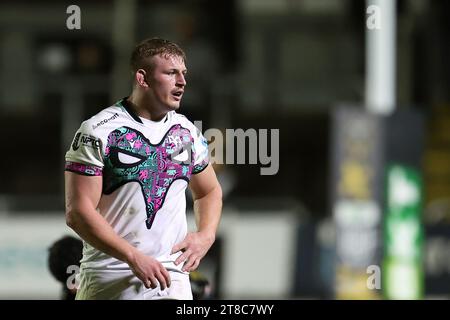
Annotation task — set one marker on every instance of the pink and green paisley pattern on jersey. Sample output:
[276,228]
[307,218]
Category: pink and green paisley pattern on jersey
[129,156]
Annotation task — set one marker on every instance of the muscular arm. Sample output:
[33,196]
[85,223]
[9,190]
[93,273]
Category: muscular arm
[82,197]
[207,195]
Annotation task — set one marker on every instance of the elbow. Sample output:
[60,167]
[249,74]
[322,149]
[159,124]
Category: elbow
[71,219]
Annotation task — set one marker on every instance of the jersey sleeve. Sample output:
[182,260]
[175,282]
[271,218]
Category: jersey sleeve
[85,153]
[200,152]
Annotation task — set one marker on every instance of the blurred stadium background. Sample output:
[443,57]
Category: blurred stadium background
[356,188]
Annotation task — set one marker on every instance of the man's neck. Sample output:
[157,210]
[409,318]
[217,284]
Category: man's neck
[144,109]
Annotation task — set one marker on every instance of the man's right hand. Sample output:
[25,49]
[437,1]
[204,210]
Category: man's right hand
[82,197]
[149,270]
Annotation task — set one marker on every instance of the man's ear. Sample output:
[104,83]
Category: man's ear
[141,78]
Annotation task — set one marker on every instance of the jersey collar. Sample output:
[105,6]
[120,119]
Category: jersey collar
[127,106]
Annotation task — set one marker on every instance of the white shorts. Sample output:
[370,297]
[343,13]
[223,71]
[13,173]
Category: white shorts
[124,285]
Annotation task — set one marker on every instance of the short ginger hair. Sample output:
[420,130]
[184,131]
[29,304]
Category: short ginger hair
[148,48]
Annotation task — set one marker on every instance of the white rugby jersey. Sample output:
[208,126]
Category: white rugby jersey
[146,167]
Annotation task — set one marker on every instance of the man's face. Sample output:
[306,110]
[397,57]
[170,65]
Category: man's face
[167,81]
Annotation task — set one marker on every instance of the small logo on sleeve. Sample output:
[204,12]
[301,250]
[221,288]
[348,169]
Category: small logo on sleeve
[76,140]
[85,140]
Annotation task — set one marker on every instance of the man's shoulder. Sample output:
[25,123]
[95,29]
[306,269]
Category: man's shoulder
[182,119]
[193,127]
[108,115]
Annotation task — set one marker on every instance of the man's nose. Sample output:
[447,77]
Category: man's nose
[181,80]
